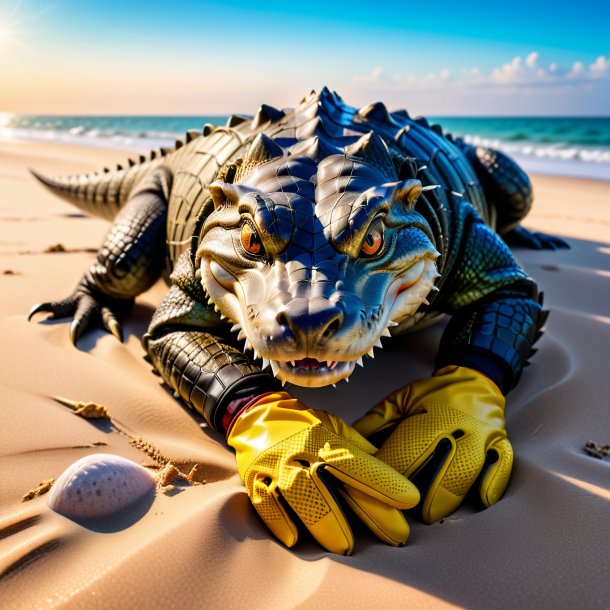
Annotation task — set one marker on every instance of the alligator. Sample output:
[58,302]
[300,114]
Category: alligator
[295,240]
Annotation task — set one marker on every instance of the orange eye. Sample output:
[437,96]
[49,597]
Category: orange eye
[250,240]
[373,242]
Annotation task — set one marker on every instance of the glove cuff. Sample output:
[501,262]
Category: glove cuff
[475,384]
[236,408]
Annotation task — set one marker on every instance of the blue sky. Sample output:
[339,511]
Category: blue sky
[451,58]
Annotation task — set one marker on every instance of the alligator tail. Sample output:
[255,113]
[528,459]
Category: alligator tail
[100,194]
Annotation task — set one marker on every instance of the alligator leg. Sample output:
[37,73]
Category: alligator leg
[129,262]
[186,346]
[509,190]
[206,372]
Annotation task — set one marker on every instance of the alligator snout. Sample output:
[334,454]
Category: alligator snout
[311,322]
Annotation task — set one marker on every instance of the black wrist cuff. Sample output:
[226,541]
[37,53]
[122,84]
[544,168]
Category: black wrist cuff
[227,387]
[485,362]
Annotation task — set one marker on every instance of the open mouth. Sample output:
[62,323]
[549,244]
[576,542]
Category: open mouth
[311,372]
[311,364]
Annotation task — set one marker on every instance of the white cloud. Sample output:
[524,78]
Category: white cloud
[508,73]
[531,59]
[518,74]
[578,69]
[445,74]
[600,66]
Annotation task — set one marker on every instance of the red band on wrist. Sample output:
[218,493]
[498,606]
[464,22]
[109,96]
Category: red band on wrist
[235,409]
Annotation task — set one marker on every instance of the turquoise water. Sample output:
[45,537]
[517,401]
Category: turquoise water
[573,146]
[566,131]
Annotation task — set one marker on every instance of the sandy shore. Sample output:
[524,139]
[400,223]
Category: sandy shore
[544,545]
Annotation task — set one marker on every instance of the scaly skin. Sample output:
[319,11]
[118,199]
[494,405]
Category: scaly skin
[311,233]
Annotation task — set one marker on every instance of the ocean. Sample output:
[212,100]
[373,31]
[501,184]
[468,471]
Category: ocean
[568,146]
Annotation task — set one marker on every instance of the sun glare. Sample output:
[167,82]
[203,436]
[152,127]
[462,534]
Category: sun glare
[4,32]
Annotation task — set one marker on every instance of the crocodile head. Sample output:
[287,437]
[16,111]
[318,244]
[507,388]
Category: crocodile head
[314,252]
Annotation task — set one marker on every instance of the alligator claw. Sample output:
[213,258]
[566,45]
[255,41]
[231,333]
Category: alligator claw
[57,309]
[111,324]
[75,331]
[45,307]
[115,328]
[88,308]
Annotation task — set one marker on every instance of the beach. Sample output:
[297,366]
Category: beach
[544,545]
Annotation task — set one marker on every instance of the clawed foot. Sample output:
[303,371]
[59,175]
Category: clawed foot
[523,238]
[89,309]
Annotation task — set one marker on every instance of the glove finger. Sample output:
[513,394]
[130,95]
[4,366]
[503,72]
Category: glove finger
[387,523]
[266,500]
[345,431]
[457,474]
[371,476]
[414,441]
[380,417]
[496,471]
[429,471]
[424,448]
[312,498]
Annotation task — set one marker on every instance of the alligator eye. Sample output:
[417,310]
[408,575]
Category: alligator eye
[373,242]
[250,240]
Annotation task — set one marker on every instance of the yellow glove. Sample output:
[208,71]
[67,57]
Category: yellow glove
[294,458]
[450,432]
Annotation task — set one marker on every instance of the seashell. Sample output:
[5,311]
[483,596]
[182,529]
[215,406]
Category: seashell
[99,485]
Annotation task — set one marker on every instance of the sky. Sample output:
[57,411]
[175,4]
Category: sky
[438,58]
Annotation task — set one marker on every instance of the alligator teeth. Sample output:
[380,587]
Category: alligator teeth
[247,345]
[222,316]
[359,361]
[347,380]
[391,323]
[425,302]
[421,169]
[255,354]
[378,343]
[265,363]
[434,289]
[386,333]
[236,327]
[292,363]
[334,385]
[283,382]
[275,367]
[370,353]
[241,335]
[431,187]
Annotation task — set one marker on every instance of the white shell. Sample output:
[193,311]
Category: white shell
[99,485]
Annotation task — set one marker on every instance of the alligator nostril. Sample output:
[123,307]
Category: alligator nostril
[309,323]
[282,319]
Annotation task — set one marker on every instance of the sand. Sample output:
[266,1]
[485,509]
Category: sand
[544,545]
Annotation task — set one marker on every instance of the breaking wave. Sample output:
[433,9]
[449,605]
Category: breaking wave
[571,146]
